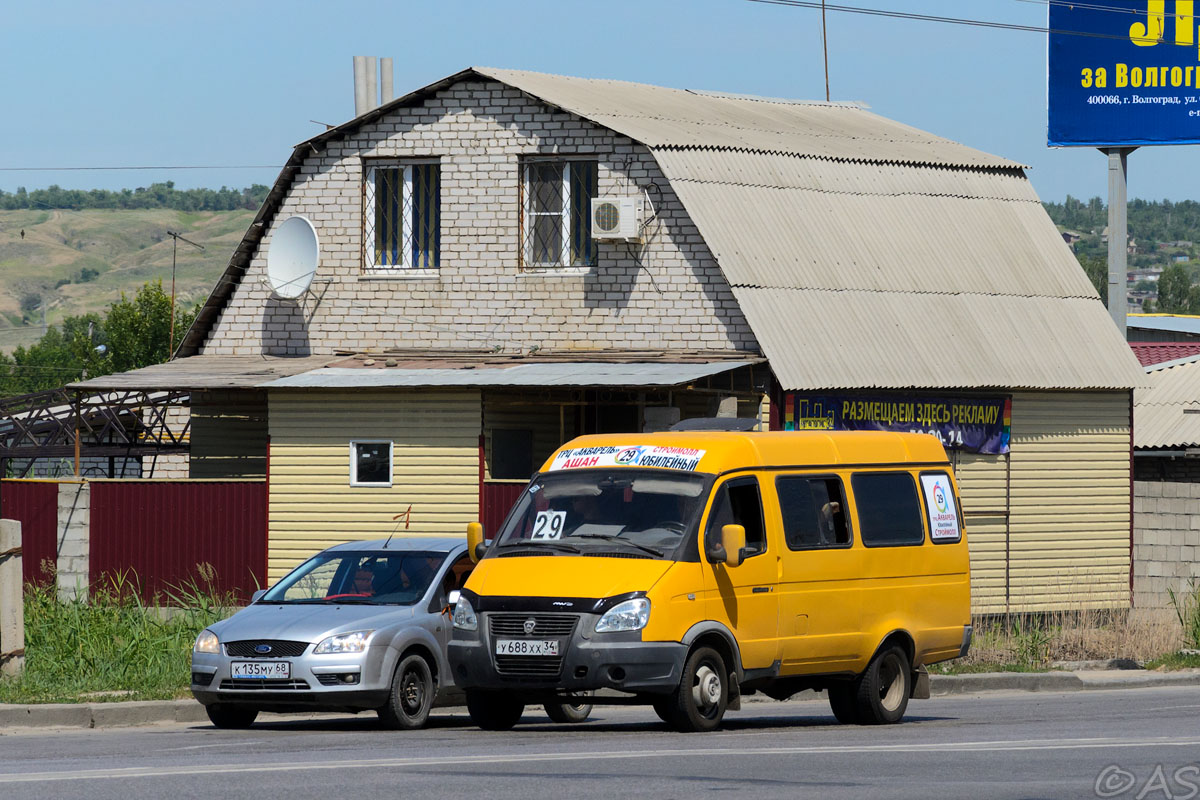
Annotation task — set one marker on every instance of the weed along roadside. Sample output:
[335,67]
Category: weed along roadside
[111,646]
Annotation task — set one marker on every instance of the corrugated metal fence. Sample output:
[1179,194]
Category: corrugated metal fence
[35,505]
[163,532]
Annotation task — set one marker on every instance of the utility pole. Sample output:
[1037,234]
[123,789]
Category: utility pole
[176,238]
[825,49]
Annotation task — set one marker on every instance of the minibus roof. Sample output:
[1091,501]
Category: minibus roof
[716,452]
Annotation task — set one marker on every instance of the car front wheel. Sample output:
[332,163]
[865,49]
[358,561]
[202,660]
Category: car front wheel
[569,712]
[411,696]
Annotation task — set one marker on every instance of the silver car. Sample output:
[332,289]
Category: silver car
[361,626]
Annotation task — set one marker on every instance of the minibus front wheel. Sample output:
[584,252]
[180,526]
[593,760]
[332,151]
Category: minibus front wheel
[699,702]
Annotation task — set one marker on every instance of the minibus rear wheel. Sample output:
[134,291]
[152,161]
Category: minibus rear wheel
[882,691]
[494,711]
[699,702]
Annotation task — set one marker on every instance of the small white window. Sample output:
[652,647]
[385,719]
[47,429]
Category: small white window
[401,215]
[371,462]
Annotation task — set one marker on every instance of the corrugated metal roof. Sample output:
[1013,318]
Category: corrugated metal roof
[1175,323]
[890,239]
[663,118]
[1150,353]
[552,374]
[206,372]
[1167,414]
[895,340]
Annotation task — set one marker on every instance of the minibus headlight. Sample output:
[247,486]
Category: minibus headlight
[632,615]
[464,615]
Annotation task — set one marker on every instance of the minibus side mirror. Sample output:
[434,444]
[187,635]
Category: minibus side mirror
[475,546]
[733,540]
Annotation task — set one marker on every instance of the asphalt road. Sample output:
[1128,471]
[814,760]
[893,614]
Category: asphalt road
[995,745]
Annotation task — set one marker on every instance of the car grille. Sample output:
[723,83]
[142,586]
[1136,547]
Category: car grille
[242,684]
[547,625]
[329,680]
[532,666]
[280,648]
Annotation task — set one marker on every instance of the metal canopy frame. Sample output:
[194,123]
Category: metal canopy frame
[61,423]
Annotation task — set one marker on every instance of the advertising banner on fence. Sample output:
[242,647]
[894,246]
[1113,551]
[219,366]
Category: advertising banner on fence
[973,424]
[1123,72]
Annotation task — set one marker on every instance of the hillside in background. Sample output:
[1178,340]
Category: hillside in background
[1162,232]
[72,262]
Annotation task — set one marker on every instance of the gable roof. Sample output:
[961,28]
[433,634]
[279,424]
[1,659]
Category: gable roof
[863,252]
[1167,414]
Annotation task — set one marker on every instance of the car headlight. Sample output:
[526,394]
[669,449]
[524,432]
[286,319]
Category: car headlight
[464,615]
[207,642]
[632,615]
[353,642]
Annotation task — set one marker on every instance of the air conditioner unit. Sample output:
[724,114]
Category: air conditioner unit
[617,217]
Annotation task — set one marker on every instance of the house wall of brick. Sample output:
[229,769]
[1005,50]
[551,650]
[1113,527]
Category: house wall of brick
[667,293]
[1166,540]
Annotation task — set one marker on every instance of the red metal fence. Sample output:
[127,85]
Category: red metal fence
[35,505]
[162,532]
[497,499]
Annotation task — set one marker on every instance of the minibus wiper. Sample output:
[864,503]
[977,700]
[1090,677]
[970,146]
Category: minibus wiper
[617,538]
[566,548]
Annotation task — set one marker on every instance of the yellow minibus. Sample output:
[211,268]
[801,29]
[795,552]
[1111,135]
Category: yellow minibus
[685,570]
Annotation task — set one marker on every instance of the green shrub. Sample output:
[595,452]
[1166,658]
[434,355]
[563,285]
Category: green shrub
[112,642]
[1187,609]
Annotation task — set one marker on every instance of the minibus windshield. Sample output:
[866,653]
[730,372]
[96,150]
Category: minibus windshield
[636,512]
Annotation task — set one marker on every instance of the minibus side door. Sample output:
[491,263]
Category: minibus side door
[820,595]
[745,597]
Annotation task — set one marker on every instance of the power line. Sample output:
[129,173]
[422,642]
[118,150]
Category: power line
[975,23]
[120,169]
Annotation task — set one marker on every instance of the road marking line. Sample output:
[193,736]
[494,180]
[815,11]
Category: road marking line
[123,773]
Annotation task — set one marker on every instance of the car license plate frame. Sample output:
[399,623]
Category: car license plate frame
[261,670]
[527,647]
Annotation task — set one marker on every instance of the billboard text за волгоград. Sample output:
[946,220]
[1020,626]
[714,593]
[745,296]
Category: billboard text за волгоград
[1124,73]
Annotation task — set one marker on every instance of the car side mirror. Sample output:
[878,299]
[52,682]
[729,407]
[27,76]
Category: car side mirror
[452,598]
[733,540]
[254,598]
[475,545]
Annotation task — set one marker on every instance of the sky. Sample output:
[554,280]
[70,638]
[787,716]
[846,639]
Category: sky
[235,85]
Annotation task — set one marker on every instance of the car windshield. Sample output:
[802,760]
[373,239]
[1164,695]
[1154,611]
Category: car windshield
[374,577]
[636,511]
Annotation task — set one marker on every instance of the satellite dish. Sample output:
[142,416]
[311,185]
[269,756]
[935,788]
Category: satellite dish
[292,258]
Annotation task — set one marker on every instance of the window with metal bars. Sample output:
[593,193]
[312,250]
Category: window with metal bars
[557,225]
[401,215]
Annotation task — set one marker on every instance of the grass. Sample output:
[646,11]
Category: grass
[1187,611]
[1035,642]
[112,647]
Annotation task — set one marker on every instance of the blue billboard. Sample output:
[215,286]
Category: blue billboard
[1123,73]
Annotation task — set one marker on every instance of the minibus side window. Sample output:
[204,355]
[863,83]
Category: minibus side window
[738,503]
[814,512]
[889,511]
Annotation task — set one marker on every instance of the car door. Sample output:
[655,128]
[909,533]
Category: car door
[745,597]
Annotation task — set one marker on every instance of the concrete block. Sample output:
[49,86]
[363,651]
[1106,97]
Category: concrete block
[49,715]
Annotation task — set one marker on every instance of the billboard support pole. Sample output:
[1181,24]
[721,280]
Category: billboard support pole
[1118,232]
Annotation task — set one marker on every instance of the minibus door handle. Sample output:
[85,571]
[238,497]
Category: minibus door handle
[761,589]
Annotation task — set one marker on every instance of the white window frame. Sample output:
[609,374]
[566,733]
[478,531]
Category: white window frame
[406,232]
[354,481]
[564,178]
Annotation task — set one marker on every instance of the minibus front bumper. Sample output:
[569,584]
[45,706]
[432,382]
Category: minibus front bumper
[586,661]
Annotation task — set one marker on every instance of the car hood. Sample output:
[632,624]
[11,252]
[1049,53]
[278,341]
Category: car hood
[565,576]
[306,623]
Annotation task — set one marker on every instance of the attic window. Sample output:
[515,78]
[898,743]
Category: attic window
[556,229]
[401,215]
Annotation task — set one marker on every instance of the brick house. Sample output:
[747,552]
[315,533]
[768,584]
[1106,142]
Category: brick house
[464,321]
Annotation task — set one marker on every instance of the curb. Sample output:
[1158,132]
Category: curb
[99,715]
[151,712]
